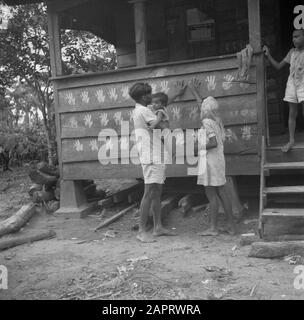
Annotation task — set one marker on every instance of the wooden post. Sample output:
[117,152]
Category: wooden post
[140,31]
[73,199]
[254,20]
[54,43]
[56,69]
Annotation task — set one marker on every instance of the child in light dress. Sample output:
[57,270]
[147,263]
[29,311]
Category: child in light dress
[212,160]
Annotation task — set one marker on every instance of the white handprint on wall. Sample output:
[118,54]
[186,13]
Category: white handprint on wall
[117,118]
[112,94]
[130,114]
[194,113]
[211,84]
[85,97]
[230,135]
[78,146]
[154,88]
[245,113]
[70,99]
[227,84]
[234,113]
[88,120]
[100,96]
[104,119]
[176,113]
[164,87]
[94,145]
[246,133]
[73,123]
[245,85]
[109,144]
[125,92]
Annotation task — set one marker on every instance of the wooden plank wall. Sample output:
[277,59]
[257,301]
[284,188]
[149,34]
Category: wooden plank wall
[91,103]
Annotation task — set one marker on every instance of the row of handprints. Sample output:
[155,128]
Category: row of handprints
[175,115]
[123,142]
[113,94]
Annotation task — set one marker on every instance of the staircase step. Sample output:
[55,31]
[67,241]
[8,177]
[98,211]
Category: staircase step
[284,165]
[296,213]
[285,189]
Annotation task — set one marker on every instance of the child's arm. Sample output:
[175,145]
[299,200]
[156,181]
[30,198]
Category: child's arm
[211,144]
[193,86]
[181,87]
[274,63]
[155,124]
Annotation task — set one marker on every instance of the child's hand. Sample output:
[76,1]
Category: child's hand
[180,87]
[266,51]
[196,83]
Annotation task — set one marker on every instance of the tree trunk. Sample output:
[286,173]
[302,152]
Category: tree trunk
[18,220]
[16,241]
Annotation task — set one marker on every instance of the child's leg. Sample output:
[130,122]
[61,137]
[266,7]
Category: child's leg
[223,195]
[145,206]
[213,207]
[159,230]
[293,112]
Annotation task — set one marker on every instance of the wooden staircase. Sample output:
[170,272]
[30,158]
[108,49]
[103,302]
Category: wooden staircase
[270,169]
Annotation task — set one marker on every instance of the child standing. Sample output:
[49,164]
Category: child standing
[153,170]
[295,84]
[212,151]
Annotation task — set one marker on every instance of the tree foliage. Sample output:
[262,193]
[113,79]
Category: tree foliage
[25,86]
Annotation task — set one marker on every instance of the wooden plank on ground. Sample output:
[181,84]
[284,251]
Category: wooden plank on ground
[19,240]
[115,217]
[273,250]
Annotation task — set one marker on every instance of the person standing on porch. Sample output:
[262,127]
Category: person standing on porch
[212,172]
[295,84]
[150,158]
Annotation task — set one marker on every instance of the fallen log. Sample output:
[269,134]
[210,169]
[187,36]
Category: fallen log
[18,220]
[17,241]
[272,250]
[115,217]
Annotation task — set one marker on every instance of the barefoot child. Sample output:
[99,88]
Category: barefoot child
[153,170]
[212,151]
[295,85]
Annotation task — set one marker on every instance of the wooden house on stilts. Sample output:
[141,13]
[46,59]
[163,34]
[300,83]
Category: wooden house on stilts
[161,42]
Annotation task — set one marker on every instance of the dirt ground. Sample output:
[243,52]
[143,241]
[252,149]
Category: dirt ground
[111,264]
